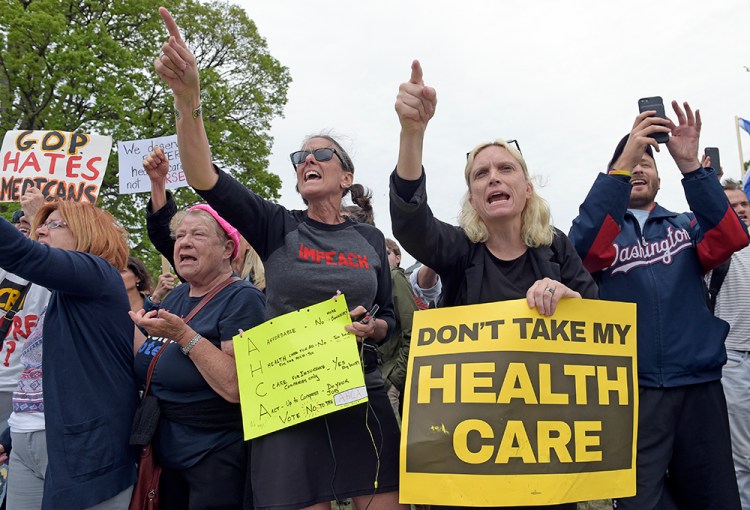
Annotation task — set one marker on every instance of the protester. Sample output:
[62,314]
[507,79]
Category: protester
[137,283]
[505,223]
[164,285]
[729,290]
[426,285]
[395,351]
[506,247]
[71,438]
[352,452]
[640,252]
[248,265]
[22,307]
[199,441]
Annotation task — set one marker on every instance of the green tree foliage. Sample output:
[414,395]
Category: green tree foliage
[87,65]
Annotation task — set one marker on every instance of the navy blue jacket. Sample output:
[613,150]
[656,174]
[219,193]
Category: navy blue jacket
[90,392]
[661,270]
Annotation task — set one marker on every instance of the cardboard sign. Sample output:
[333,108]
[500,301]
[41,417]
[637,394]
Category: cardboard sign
[506,407]
[133,178]
[298,366]
[65,166]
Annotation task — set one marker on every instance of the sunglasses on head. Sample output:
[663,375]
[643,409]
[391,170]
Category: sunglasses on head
[514,142]
[322,154]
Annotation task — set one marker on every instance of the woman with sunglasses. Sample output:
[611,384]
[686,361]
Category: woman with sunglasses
[506,247]
[71,433]
[308,255]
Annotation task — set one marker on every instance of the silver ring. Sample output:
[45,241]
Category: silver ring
[550,290]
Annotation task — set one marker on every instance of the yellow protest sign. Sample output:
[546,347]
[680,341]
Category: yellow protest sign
[298,366]
[508,407]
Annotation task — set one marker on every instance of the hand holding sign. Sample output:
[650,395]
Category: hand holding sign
[546,293]
[31,202]
[165,286]
[176,64]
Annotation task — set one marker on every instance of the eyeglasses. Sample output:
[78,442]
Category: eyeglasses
[54,224]
[322,154]
[514,142]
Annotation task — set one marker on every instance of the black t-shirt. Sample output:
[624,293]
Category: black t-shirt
[176,378]
[519,272]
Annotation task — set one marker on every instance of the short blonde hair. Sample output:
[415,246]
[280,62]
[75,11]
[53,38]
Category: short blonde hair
[536,229]
[248,264]
[95,230]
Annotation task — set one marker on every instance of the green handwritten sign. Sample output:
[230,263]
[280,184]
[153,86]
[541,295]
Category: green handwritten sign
[298,366]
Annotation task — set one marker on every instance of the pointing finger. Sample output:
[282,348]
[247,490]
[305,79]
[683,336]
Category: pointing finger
[172,27]
[416,73]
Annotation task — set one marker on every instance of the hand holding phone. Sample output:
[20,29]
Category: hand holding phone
[713,154]
[370,315]
[655,104]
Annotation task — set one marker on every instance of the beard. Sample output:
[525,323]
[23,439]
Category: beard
[644,198]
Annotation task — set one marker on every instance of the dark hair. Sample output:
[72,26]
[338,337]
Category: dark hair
[732,185]
[17,216]
[362,208]
[142,276]
[346,161]
[620,147]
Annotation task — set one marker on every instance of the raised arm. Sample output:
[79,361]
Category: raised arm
[415,106]
[717,229]
[602,213]
[177,67]
[156,166]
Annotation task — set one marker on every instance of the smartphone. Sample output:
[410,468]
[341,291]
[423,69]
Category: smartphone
[370,315]
[713,153]
[654,103]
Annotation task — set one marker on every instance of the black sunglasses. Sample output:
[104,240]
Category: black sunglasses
[514,142]
[323,154]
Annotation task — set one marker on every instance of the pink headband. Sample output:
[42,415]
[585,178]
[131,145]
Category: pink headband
[232,232]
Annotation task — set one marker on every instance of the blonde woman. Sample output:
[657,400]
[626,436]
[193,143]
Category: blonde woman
[506,247]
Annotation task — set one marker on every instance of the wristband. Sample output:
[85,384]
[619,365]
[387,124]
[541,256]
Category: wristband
[198,112]
[188,346]
[625,172]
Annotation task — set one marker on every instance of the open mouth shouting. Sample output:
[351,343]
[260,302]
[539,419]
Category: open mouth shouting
[498,196]
[311,174]
[187,259]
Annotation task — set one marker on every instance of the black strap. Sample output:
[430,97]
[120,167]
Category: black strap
[717,278]
[7,319]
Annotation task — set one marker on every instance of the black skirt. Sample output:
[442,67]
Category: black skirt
[333,457]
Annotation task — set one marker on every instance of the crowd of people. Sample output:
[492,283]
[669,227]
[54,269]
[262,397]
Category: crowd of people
[130,364]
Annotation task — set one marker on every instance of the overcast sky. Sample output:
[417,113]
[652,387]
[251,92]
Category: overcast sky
[562,77]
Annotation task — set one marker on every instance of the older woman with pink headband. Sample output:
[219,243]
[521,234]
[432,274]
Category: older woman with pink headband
[198,440]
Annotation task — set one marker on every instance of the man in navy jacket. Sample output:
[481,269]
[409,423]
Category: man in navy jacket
[640,252]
